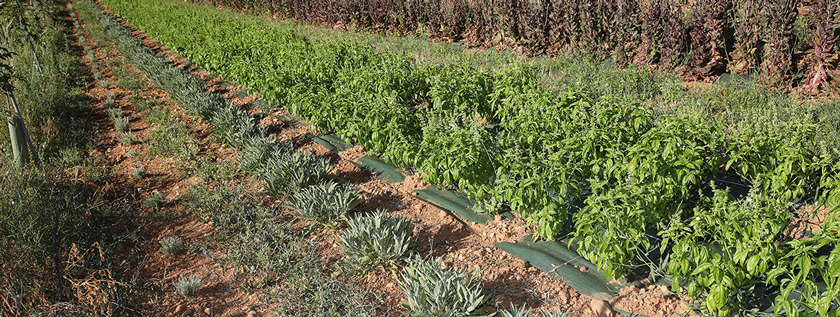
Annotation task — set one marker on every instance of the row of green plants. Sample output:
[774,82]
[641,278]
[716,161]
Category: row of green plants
[700,38]
[503,139]
[369,241]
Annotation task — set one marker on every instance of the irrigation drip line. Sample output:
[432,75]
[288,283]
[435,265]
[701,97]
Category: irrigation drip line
[58,212]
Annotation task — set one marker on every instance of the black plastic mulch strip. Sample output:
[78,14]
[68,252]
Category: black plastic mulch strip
[337,142]
[225,85]
[241,93]
[323,142]
[447,199]
[558,261]
[384,171]
[261,104]
[289,120]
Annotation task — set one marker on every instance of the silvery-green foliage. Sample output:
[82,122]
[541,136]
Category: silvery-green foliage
[171,245]
[376,239]
[287,173]
[326,203]
[432,291]
[187,286]
[526,312]
[259,150]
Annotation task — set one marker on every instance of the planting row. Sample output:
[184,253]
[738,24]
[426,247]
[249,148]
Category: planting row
[369,241]
[709,36]
[627,184]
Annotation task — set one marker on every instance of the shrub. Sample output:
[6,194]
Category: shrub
[110,95]
[514,312]
[109,104]
[115,113]
[104,83]
[376,239]
[234,126]
[131,153]
[287,173]
[128,139]
[155,200]
[121,124]
[171,245]
[432,291]
[138,173]
[258,151]
[187,286]
[325,203]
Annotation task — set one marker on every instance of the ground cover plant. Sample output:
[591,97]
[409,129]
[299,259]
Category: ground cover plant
[617,168]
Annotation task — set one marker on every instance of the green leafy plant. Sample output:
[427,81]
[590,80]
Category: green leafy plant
[104,83]
[234,126]
[432,291]
[171,246]
[187,286]
[805,264]
[326,203]
[725,245]
[376,239]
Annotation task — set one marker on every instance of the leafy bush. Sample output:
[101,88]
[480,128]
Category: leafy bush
[171,245]
[287,173]
[187,286]
[326,203]
[104,83]
[432,291]
[376,239]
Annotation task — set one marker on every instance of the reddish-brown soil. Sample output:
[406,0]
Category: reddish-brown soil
[150,273]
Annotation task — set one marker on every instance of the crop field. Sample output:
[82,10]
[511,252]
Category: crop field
[727,193]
